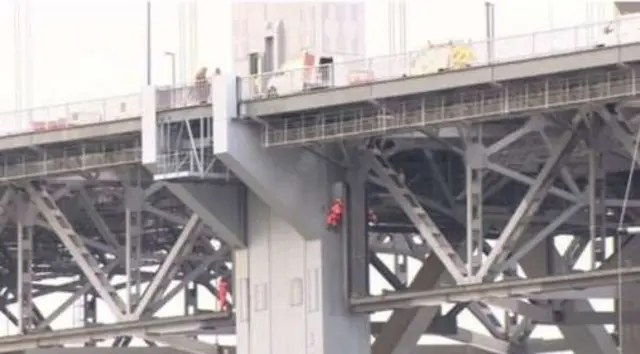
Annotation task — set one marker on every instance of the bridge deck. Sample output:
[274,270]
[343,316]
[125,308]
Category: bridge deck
[411,86]
[106,129]
[514,59]
[597,58]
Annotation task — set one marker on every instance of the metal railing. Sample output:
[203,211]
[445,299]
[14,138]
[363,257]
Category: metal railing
[512,100]
[184,96]
[62,163]
[501,50]
[190,164]
[71,114]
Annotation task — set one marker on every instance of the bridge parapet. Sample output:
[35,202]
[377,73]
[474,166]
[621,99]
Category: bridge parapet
[101,110]
[69,115]
[434,59]
[183,96]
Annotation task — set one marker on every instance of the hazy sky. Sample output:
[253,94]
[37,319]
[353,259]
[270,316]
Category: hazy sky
[92,48]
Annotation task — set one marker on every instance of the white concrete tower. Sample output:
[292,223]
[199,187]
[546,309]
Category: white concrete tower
[284,30]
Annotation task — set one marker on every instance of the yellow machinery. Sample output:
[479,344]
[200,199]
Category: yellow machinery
[443,57]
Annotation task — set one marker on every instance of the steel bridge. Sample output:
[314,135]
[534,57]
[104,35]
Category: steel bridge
[475,175]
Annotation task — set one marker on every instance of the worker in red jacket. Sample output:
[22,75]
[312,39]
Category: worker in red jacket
[334,217]
[223,289]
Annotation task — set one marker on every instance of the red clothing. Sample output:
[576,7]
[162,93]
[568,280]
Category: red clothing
[335,213]
[223,288]
[336,208]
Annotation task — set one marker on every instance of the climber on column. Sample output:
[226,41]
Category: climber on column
[336,211]
[334,217]
[223,289]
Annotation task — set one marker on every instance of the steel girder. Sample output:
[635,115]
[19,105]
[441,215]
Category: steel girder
[582,189]
[517,289]
[149,327]
[572,191]
[88,214]
[37,208]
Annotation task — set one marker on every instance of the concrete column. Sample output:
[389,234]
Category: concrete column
[290,291]
[290,280]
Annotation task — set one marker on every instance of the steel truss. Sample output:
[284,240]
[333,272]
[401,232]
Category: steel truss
[489,210]
[81,231]
[478,207]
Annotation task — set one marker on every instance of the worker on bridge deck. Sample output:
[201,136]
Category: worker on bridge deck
[203,86]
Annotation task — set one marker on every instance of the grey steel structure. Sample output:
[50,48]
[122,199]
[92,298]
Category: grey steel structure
[474,173]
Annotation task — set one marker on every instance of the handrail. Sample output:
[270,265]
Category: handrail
[433,60]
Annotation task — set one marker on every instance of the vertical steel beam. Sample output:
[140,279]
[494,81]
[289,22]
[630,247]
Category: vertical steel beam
[356,230]
[597,195]
[25,264]
[90,312]
[191,298]
[474,163]
[400,268]
[134,199]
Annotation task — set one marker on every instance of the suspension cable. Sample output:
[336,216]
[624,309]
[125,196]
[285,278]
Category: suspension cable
[623,211]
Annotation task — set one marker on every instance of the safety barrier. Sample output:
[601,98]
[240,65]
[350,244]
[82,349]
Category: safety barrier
[71,114]
[500,50]
[183,96]
[68,115]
